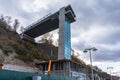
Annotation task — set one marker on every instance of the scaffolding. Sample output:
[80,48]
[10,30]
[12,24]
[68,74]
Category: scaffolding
[63,68]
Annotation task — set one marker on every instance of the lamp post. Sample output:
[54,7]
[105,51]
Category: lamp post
[89,50]
[110,68]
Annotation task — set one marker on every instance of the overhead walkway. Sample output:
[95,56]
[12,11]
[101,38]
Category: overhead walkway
[43,26]
[61,20]
[46,24]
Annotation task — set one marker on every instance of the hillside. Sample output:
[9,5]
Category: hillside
[13,48]
[12,44]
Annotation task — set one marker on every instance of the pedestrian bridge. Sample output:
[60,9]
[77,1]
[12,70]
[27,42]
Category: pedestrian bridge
[60,19]
[46,24]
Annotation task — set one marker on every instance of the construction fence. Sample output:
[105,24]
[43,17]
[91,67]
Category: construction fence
[15,75]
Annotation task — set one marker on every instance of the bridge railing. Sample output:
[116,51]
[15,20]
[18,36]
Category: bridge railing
[41,19]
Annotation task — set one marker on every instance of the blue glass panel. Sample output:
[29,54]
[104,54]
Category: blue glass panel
[67,39]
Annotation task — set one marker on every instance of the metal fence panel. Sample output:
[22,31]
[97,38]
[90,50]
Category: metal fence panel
[14,75]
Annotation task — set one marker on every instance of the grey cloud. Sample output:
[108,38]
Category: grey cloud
[107,55]
[110,11]
[80,46]
[111,39]
[103,12]
[14,9]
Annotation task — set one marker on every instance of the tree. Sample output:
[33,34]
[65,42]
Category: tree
[3,23]
[72,52]
[15,25]
[2,18]
[22,29]
[56,42]
[47,38]
[8,21]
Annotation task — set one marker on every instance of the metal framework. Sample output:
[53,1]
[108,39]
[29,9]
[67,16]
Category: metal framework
[63,68]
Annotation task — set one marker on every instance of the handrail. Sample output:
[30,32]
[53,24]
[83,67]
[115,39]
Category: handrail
[41,19]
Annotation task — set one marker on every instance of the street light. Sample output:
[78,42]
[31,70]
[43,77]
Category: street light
[89,50]
[110,68]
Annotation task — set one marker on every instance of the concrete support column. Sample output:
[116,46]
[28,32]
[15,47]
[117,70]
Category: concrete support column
[61,33]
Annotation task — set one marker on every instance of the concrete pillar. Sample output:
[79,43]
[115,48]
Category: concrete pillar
[64,49]
[61,33]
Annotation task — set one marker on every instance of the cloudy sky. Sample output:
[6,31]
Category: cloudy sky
[97,24]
